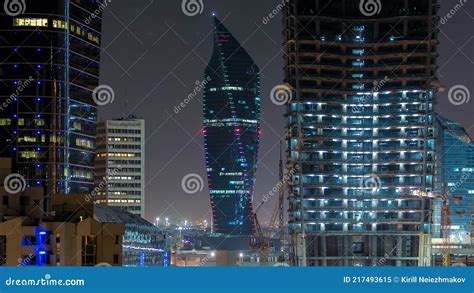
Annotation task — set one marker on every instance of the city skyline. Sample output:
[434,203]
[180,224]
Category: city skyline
[367,103]
[154,97]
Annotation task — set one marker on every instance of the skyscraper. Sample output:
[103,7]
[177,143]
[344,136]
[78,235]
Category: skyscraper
[120,164]
[231,108]
[361,129]
[50,66]
[455,175]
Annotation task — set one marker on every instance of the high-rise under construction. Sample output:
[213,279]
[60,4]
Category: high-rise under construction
[360,128]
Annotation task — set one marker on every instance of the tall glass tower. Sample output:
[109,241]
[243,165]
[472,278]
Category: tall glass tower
[455,170]
[361,129]
[50,54]
[231,109]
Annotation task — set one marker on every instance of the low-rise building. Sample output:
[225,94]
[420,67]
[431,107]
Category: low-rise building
[143,243]
[69,236]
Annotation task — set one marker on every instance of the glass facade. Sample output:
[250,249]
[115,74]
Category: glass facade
[361,129]
[455,174]
[231,109]
[50,67]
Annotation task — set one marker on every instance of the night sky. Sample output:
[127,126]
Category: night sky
[153,54]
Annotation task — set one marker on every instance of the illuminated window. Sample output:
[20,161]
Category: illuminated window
[358,63]
[59,24]
[43,22]
[85,143]
[77,125]
[27,139]
[29,155]
[358,52]
[4,122]
[39,122]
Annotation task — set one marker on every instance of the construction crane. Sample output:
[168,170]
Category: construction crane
[445,222]
[261,240]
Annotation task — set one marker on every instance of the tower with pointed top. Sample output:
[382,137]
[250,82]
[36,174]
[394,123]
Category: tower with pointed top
[231,110]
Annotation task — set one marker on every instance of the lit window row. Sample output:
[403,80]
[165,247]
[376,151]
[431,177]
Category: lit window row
[43,22]
[123,201]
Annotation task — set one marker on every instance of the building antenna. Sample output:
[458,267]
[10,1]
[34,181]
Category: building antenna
[126,103]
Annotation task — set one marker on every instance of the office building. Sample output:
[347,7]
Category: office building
[50,67]
[231,109]
[455,175]
[120,164]
[361,130]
